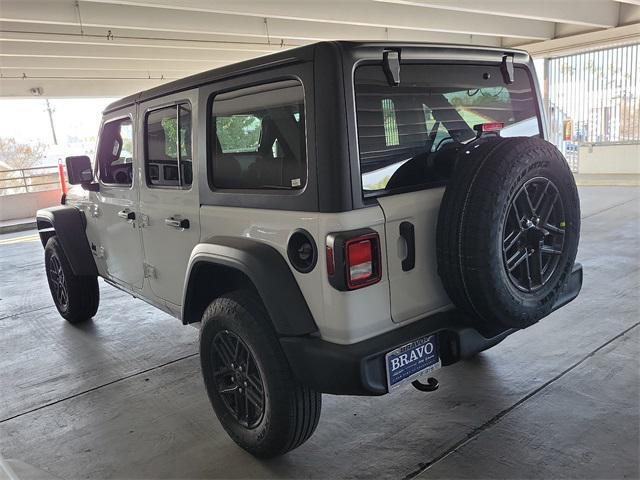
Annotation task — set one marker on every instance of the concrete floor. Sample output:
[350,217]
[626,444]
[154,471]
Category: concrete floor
[122,396]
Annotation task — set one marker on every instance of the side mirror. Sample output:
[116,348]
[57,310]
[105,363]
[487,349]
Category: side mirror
[79,170]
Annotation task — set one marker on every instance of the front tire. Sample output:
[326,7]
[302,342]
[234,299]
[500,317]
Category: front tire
[263,408]
[76,297]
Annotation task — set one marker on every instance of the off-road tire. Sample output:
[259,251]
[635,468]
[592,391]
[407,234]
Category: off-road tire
[290,410]
[81,296]
[488,179]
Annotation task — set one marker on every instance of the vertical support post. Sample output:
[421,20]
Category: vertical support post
[545,94]
[53,130]
[24,181]
[63,182]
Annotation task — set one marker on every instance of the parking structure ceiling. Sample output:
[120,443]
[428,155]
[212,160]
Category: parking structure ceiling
[104,48]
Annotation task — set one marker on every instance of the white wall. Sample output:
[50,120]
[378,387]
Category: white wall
[25,205]
[609,159]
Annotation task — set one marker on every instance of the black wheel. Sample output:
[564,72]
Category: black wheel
[248,380]
[76,297]
[508,231]
[533,234]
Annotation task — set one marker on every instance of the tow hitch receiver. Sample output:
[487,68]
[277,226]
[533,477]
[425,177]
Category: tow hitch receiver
[431,385]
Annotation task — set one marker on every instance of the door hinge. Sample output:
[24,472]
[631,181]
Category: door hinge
[94,210]
[98,252]
[144,220]
[149,271]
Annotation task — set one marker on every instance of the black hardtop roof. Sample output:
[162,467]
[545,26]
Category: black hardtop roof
[294,55]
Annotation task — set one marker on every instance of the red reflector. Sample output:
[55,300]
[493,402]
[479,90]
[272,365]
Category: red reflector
[489,127]
[331,266]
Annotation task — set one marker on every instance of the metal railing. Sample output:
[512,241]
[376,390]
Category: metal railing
[25,180]
[599,92]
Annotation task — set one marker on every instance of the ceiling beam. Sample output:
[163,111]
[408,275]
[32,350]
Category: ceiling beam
[98,64]
[119,42]
[61,88]
[247,44]
[631,2]
[597,13]
[250,44]
[103,74]
[303,19]
[584,42]
[11,48]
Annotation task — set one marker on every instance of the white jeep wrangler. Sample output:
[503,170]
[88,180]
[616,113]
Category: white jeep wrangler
[341,218]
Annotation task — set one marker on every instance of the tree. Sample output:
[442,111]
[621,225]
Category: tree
[20,155]
[238,133]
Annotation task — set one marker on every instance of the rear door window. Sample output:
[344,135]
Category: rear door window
[409,135]
[168,159]
[258,138]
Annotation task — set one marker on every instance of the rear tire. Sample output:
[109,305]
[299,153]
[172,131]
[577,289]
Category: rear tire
[248,379]
[76,297]
[508,231]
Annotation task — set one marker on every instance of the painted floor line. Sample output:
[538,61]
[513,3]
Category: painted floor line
[496,418]
[93,389]
[28,238]
[637,199]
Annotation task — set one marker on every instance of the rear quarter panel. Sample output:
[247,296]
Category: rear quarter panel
[341,317]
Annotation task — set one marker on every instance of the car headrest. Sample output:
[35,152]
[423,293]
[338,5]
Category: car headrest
[156,142]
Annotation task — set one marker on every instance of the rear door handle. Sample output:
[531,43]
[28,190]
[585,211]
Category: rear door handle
[407,232]
[127,214]
[176,223]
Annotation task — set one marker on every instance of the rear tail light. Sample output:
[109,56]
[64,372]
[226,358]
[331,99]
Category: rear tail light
[360,261]
[353,259]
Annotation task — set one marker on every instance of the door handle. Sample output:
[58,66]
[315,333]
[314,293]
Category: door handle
[176,223]
[407,232]
[127,214]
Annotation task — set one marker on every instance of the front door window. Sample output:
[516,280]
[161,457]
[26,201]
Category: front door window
[115,153]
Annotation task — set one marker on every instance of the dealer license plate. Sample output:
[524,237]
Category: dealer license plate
[412,360]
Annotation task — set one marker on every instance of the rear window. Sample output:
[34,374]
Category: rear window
[409,134]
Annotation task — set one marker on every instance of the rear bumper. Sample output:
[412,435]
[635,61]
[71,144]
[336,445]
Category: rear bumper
[359,368]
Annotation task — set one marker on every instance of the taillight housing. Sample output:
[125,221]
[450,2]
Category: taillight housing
[353,259]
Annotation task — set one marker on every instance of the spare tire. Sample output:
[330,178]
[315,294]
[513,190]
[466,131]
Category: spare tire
[508,230]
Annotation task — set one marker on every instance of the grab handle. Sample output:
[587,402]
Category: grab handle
[407,232]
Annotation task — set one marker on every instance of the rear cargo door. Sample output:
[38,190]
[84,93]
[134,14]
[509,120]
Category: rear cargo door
[410,228]
[409,137]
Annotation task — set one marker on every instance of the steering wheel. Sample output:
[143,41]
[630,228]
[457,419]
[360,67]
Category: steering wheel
[445,139]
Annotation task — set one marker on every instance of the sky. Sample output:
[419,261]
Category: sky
[76,122]
[27,120]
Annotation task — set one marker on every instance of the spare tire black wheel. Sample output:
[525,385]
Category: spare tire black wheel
[508,230]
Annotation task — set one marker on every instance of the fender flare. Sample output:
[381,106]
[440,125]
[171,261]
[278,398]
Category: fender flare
[68,224]
[269,272]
